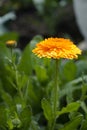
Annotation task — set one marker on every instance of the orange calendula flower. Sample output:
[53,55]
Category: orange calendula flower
[11,43]
[57,48]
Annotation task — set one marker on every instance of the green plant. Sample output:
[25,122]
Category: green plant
[26,84]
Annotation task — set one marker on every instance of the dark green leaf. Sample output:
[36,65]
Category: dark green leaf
[34,59]
[47,109]
[2,116]
[34,126]
[25,62]
[25,117]
[9,36]
[13,120]
[81,67]
[41,73]
[84,107]
[35,40]
[70,70]
[6,98]
[72,125]
[69,108]
[84,125]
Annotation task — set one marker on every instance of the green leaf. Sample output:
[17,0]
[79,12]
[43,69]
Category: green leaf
[69,108]
[81,67]
[35,60]
[84,125]
[47,109]
[72,125]
[35,94]
[13,120]
[10,125]
[9,36]
[84,90]
[35,40]
[77,81]
[25,62]
[25,117]
[2,116]
[41,73]
[83,106]
[6,97]
[22,80]
[73,85]
[70,70]
[34,126]
[4,52]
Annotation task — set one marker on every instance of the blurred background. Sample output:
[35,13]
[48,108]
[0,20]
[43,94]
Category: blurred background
[21,20]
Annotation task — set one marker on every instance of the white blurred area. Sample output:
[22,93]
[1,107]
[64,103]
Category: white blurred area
[80,9]
[5,18]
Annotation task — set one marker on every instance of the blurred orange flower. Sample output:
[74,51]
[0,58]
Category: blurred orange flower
[11,43]
[57,48]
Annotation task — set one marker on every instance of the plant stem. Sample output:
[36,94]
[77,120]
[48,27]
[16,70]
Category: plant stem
[26,91]
[18,87]
[16,74]
[56,89]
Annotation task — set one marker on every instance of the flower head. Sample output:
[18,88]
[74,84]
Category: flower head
[57,48]
[11,43]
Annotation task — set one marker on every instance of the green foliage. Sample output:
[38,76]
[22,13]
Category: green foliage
[72,125]
[25,62]
[84,125]
[69,108]
[47,110]
[5,37]
[27,91]
[72,73]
